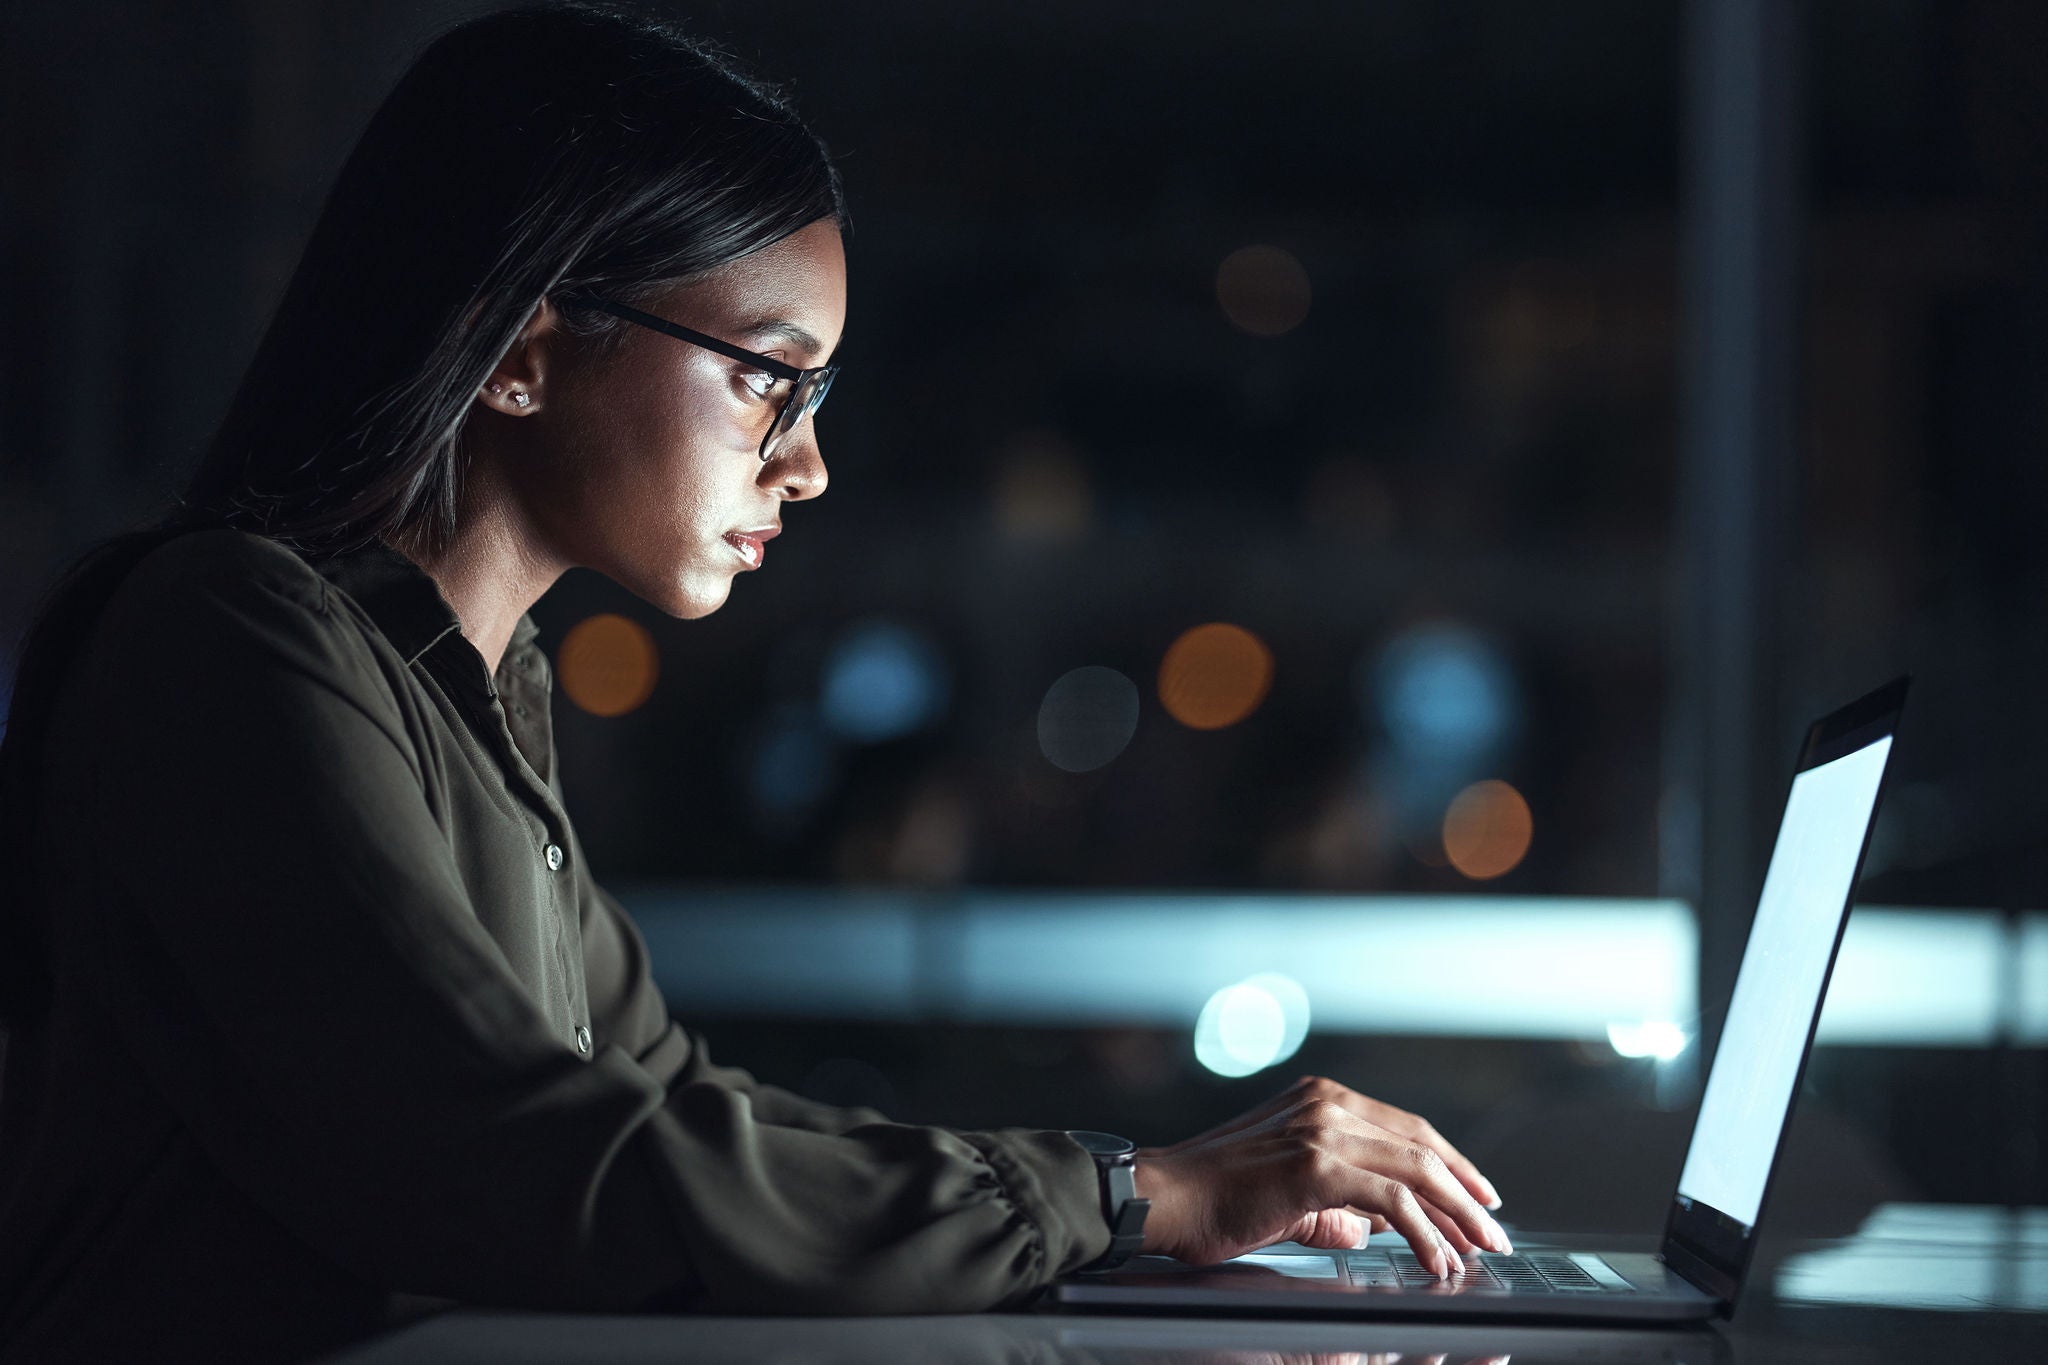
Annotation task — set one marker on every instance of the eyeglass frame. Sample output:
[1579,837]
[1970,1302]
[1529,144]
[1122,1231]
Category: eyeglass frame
[794,376]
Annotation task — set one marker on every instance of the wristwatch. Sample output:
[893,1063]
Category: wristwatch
[1116,1164]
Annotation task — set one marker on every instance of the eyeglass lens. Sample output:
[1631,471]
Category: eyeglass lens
[802,402]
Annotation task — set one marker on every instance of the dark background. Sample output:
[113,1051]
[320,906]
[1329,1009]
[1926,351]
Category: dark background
[1509,421]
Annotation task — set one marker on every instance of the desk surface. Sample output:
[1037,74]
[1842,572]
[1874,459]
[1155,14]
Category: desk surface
[1916,1283]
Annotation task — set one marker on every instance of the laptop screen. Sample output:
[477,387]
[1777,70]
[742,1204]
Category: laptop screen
[1777,991]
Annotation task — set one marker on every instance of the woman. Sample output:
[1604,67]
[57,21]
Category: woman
[319,1018]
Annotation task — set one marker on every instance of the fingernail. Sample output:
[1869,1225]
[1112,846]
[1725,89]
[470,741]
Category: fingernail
[1496,1237]
[1494,1205]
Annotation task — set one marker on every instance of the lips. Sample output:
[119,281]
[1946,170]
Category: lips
[752,545]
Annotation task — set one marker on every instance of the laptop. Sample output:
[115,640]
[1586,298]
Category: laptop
[1711,1229]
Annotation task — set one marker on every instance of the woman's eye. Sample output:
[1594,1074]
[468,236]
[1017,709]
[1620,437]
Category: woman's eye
[760,385]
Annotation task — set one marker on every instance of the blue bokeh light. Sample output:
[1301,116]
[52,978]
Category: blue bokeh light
[1446,700]
[1444,692]
[792,765]
[882,681]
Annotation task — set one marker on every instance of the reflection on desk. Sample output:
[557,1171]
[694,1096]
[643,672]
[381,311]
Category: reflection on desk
[1864,1298]
[1931,1257]
[1015,1339]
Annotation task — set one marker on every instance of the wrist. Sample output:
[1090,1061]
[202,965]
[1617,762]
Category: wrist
[1155,1182]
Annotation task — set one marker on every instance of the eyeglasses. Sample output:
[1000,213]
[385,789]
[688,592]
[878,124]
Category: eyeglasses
[807,388]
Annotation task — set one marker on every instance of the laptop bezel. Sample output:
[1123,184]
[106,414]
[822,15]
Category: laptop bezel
[1709,1248]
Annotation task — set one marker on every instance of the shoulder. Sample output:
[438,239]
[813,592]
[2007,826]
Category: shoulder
[226,598]
[226,564]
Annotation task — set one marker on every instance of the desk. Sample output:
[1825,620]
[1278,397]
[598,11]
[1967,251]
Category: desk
[1984,1296]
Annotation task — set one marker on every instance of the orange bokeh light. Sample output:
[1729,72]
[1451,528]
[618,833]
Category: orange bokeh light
[1487,830]
[608,664]
[1215,675]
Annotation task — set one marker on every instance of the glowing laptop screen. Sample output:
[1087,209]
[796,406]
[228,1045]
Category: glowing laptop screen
[1777,992]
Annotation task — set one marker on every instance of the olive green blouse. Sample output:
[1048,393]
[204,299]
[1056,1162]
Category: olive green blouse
[345,1028]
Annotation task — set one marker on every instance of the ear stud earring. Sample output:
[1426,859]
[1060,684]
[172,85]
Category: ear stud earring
[521,399]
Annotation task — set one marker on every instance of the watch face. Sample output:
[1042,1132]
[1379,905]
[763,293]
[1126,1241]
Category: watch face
[1102,1144]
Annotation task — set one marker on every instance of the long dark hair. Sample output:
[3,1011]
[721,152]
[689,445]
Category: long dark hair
[524,155]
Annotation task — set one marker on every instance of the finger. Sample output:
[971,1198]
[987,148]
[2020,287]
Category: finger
[1287,1099]
[1331,1230]
[1404,1212]
[1419,1129]
[1365,1227]
[1460,1165]
[1448,1226]
[1373,1222]
[1412,1126]
[1426,1173]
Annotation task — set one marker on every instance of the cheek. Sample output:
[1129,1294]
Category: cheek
[672,486]
[654,474]
[658,460]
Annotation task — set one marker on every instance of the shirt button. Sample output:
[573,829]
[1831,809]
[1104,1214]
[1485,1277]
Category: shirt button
[582,1039]
[554,857]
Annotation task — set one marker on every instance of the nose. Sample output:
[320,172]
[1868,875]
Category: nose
[796,471]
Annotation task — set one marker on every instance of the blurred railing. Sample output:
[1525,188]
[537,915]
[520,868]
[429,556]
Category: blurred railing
[1453,966]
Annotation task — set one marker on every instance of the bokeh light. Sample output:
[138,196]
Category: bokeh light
[882,681]
[1349,495]
[607,664]
[1443,693]
[1445,699]
[1087,718]
[1659,1038]
[1252,1025]
[1293,1001]
[1239,1031]
[1263,289]
[1487,830]
[791,766]
[1215,675]
[1041,490]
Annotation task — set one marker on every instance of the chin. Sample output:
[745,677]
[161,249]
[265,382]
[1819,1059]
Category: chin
[685,590]
[691,600]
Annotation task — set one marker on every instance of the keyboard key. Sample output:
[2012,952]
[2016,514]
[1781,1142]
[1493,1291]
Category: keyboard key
[1538,1273]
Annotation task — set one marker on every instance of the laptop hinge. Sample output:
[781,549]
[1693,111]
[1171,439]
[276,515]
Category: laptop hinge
[1701,1274]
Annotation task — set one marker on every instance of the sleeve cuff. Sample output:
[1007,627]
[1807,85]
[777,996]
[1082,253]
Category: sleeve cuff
[1053,1182]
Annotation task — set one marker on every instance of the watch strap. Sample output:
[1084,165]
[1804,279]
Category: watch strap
[1123,1209]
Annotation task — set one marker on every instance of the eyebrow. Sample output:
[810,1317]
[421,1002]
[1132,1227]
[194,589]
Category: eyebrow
[768,328]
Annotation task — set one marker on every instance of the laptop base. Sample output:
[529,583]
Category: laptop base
[1301,1282]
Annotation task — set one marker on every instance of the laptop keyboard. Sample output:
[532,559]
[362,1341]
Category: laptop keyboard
[1535,1273]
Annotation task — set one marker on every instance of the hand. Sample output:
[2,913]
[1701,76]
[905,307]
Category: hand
[1394,1120]
[1321,1165]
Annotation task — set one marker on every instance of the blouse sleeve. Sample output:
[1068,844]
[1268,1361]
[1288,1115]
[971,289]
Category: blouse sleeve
[287,948]
[626,1006]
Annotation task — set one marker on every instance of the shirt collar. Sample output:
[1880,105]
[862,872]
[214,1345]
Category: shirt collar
[523,631]
[405,602]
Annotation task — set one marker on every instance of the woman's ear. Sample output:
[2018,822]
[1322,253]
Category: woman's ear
[517,386]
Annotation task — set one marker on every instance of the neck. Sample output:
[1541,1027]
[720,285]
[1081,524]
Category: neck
[492,572]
